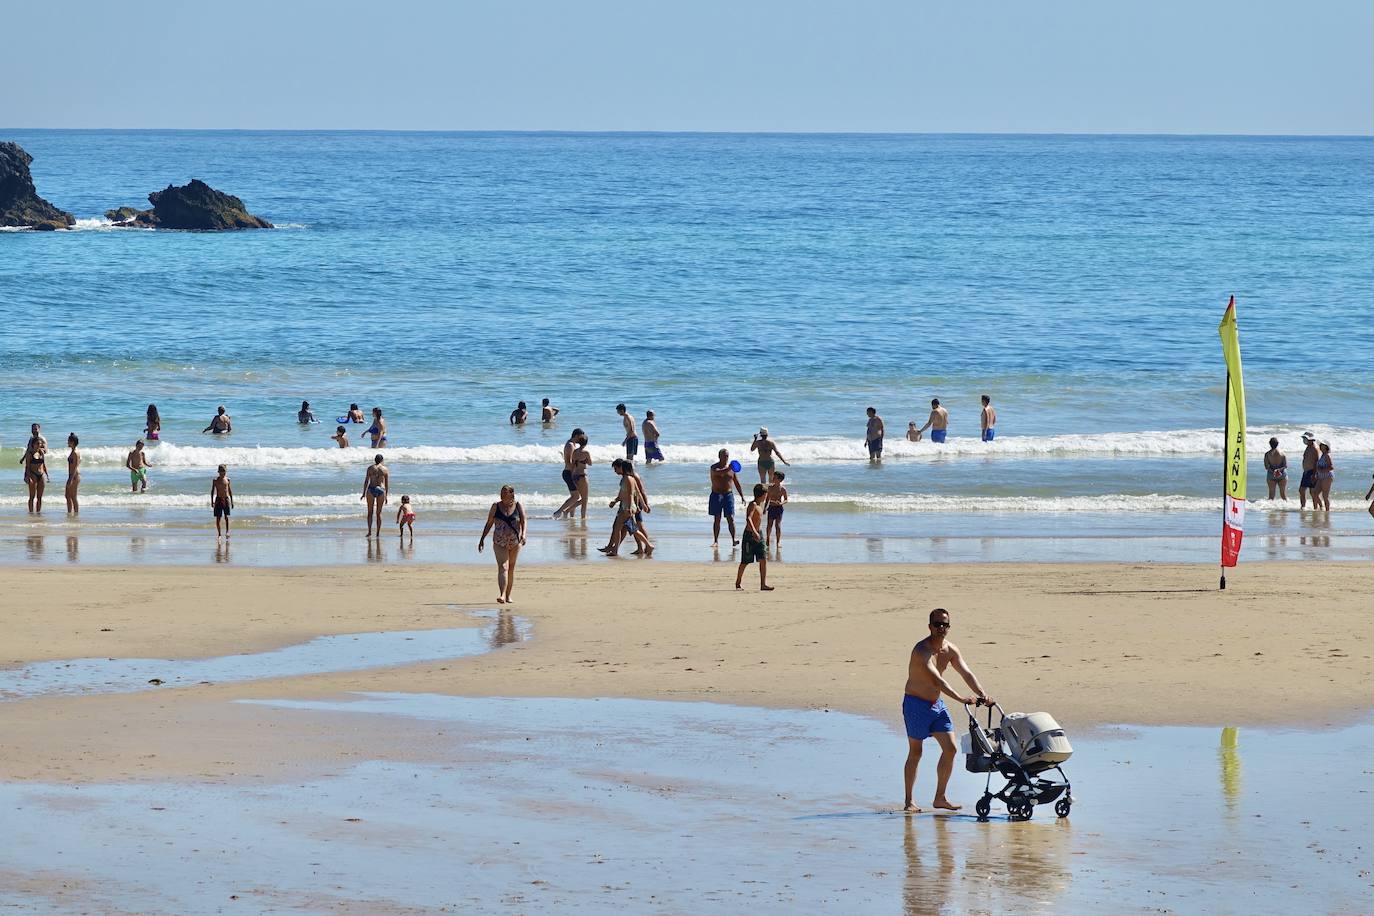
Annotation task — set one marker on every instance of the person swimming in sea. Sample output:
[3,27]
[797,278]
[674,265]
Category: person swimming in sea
[340,436]
[378,429]
[519,415]
[221,423]
[355,414]
[547,412]
[304,415]
[153,425]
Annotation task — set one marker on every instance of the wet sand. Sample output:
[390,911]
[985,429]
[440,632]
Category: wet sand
[645,806]
[507,784]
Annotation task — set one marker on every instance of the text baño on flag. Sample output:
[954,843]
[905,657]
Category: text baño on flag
[1233,504]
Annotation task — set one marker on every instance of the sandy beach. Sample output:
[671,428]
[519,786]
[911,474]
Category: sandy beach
[1148,645]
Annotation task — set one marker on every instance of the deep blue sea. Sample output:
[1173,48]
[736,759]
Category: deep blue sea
[723,281]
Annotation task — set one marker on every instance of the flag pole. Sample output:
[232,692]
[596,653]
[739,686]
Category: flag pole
[1225,463]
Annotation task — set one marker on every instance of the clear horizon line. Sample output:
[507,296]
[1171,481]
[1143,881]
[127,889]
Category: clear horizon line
[726,132]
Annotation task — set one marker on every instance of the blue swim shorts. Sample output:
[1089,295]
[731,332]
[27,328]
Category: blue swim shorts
[923,717]
[723,504]
[989,434]
[631,446]
[875,447]
[938,435]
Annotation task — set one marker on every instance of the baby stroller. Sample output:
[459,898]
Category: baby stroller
[1026,749]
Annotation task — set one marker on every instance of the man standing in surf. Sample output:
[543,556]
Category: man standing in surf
[937,422]
[924,711]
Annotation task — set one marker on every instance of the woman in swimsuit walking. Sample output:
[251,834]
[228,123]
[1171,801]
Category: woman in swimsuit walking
[1326,476]
[73,475]
[153,430]
[581,460]
[508,517]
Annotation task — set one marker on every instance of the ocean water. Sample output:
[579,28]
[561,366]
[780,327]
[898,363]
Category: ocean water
[723,281]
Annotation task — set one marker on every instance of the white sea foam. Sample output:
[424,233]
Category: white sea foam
[1184,443]
[911,503]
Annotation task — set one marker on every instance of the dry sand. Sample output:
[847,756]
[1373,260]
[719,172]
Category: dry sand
[1286,644]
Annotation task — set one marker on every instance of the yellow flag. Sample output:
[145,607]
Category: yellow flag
[1234,504]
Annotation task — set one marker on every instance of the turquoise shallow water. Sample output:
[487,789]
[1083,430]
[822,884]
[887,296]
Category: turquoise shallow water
[724,281]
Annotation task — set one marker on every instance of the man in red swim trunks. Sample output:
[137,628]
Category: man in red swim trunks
[923,710]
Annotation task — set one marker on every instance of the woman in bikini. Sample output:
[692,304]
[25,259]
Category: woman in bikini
[35,463]
[378,429]
[1276,470]
[153,430]
[581,460]
[73,475]
[376,486]
[508,518]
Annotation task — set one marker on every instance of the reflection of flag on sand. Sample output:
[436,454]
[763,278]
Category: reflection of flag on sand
[1233,510]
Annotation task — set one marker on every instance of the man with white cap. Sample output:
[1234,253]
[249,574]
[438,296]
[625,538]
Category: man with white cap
[1307,487]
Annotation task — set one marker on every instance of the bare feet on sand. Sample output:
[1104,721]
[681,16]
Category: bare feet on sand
[909,808]
[945,803]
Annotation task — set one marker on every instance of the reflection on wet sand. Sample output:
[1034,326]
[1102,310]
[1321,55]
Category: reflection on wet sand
[1229,755]
[73,549]
[930,876]
[375,553]
[222,551]
[505,630]
[33,546]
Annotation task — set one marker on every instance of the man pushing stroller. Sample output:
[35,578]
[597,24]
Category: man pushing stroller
[924,711]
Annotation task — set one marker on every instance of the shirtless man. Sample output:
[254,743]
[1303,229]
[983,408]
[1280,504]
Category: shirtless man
[769,455]
[722,500]
[1307,486]
[754,549]
[924,711]
[221,499]
[376,487]
[547,412]
[989,420]
[937,423]
[220,424]
[650,428]
[631,433]
[573,499]
[1276,470]
[873,436]
[912,433]
[138,466]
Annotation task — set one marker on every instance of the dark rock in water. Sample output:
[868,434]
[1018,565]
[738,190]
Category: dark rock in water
[199,206]
[20,204]
[129,216]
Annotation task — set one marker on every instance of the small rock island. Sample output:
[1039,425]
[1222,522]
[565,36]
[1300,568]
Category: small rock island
[194,206]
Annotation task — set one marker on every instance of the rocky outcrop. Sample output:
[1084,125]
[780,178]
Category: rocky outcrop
[192,206]
[20,204]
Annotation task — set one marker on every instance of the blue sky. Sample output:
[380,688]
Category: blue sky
[1166,66]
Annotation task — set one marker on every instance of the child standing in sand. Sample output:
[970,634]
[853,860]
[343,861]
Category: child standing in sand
[221,499]
[751,548]
[777,500]
[405,517]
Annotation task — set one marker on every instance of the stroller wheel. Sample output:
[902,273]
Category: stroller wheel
[1020,811]
[983,807]
[1061,807]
